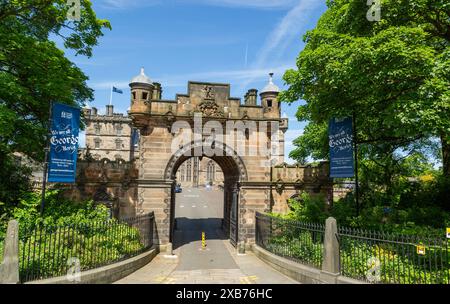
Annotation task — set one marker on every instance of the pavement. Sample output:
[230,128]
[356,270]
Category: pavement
[200,210]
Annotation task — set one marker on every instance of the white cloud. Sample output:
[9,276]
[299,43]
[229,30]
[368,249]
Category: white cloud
[256,4]
[182,80]
[289,28]
[125,4]
[264,4]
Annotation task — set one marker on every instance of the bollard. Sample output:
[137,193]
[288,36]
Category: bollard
[203,241]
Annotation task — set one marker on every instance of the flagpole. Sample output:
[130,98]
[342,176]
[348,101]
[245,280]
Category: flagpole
[110,96]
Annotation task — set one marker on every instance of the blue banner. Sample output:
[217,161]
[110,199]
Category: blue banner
[340,136]
[63,144]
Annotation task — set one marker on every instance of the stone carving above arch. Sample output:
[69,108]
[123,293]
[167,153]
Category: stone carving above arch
[210,109]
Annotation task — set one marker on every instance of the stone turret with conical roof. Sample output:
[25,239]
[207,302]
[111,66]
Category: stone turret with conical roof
[269,98]
[141,95]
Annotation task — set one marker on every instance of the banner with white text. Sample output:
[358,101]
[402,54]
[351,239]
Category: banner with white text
[340,138]
[64,144]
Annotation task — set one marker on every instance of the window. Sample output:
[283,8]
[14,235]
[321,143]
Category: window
[97,129]
[210,171]
[133,95]
[269,103]
[119,130]
[188,171]
[144,95]
[97,143]
[118,144]
[182,175]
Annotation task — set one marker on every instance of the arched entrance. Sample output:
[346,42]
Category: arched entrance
[234,172]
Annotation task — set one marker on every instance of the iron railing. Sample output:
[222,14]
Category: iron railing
[2,241]
[47,251]
[379,257]
[297,241]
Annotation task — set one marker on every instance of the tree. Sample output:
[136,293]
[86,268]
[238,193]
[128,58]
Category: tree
[394,75]
[34,73]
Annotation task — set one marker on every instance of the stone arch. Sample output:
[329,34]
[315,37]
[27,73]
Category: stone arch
[234,171]
[231,163]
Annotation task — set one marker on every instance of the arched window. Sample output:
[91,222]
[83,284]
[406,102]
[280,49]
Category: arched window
[210,171]
[182,175]
[189,170]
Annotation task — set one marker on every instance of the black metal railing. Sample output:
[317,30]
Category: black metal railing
[47,251]
[379,257]
[370,256]
[2,244]
[297,241]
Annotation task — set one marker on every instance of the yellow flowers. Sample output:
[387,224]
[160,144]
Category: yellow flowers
[384,254]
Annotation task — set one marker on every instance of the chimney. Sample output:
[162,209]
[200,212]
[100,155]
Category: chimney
[251,97]
[157,91]
[109,110]
[87,112]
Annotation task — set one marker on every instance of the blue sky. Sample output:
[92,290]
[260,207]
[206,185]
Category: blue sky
[231,41]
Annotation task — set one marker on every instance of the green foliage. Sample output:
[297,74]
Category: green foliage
[301,247]
[82,230]
[33,73]
[308,208]
[394,76]
[47,249]
[399,261]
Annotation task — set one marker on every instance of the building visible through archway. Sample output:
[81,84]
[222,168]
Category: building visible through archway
[199,172]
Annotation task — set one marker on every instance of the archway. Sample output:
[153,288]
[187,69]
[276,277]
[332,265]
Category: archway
[234,172]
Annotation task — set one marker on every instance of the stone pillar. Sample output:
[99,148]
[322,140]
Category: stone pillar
[331,264]
[9,269]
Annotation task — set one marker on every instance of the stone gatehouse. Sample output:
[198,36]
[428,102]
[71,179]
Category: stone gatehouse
[252,182]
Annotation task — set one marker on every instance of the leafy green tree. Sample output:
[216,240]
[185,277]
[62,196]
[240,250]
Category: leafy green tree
[34,73]
[394,75]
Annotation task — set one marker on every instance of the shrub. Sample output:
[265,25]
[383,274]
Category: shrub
[67,229]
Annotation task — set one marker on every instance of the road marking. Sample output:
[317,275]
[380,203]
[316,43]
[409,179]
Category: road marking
[248,280]
[205,206]
[193,206]
[181,206]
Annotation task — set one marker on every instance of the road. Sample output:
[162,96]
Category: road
[199,210]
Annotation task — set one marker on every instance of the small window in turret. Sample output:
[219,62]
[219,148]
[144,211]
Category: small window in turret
[269,103]
[144,95]
[134,95]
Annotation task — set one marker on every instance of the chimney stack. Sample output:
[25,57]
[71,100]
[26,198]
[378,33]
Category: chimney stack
[157,91]
[109,110]
[251,97]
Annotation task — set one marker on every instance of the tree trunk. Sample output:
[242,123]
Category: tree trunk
[445,142]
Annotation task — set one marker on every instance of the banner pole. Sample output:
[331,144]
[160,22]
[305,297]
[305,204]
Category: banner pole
[47,150]
[355,143]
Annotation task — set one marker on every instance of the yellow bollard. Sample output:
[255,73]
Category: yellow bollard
[203,240]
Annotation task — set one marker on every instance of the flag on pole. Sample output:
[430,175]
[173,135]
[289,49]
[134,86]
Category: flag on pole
[116,90]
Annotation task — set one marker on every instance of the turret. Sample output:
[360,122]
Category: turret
[141,94]
[269,98]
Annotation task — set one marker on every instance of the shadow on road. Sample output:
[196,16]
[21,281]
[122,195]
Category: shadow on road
[190,230]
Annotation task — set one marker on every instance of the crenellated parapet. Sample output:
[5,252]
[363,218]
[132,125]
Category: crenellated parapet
[212,100]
